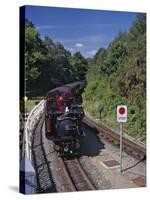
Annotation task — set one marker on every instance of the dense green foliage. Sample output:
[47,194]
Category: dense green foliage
[117,75]
[49,64]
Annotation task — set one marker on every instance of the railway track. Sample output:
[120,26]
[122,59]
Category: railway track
[130,146]
[76,175]
[75,178]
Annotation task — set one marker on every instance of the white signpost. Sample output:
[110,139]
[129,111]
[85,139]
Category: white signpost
[122,113]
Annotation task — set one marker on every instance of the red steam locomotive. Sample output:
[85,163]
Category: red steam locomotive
[63,118]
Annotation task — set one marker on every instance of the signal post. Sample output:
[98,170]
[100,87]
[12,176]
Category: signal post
[121,118]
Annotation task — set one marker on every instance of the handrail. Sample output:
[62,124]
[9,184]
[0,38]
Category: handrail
[34,115]
[27,182]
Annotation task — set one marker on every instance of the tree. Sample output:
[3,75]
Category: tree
[120,78]
[32,54]
[117,51]
[99,57]
[79,65]
[48,64]
[47,42]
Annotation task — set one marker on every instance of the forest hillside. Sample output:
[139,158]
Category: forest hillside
[117,75]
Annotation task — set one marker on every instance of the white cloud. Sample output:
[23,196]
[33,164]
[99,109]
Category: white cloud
[92,52]
[79,45]
[46,26]
[83,40]
[71,49]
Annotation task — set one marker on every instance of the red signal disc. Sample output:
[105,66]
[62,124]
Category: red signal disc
[121,110]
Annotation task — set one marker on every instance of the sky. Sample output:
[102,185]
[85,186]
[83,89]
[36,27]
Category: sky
[80,29]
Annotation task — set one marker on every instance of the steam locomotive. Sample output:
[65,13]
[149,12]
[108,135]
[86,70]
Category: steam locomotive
[63,118]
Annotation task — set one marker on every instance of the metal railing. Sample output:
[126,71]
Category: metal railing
[33,117]
[27,172]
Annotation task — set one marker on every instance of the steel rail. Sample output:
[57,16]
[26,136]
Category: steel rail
[78,176]
[130,145]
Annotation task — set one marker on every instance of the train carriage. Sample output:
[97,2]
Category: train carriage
[63,119]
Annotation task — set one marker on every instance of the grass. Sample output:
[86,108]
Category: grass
[31,103]
[109,119]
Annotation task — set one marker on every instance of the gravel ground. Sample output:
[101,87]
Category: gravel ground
[110,178]
[40,162]
[96,175]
